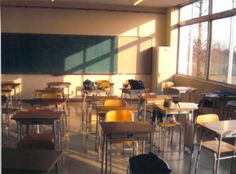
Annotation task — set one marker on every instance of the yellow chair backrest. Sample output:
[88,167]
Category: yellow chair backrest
[115,102]
[119,116]
[207,118]
[51,95]
[167,85]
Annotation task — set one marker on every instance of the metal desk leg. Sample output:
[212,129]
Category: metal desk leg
[96,136]
[106,156]
[218,156]
[103,152]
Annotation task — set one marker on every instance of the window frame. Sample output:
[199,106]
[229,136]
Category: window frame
[208,18]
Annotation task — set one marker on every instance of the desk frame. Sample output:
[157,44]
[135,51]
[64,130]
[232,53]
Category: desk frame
[222,129]
[116,130]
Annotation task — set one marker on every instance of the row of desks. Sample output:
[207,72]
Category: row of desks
[36,160]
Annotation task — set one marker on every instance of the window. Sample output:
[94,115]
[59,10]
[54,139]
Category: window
[193,50]
[220,45]
[207,46]
[194,10]
[223,52]
[222,5]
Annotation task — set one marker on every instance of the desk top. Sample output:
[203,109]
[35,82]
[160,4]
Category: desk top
[124,90]
[48,90]
[96,91]
[184,89]
[37,115]
[44,101]
[155,97]
[30,160]
[6,91]
[127,127]
[100,98]
[181,106]
[58,84]
[221,127]
[110,108]
[9,84]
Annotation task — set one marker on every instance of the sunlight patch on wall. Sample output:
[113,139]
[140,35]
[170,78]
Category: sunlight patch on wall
[74,61]
[174,17]
[147,29]
[130,32]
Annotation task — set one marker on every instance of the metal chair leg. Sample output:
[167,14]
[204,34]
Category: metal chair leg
[180,138]
[110,158]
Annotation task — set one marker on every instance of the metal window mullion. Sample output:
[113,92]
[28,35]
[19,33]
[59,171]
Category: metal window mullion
[231,51]
[177,62]
[209,37]
[190,52]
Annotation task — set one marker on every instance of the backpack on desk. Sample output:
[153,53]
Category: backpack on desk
[88,84]
[136,84]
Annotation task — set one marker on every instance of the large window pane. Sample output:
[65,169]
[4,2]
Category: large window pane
[222,5]
[193,50]
[199,53]
[220,45]
[186,13]
[185,39]
[234,51]
[200,8]
[197,9]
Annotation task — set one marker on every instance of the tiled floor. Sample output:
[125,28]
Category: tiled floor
[80,155]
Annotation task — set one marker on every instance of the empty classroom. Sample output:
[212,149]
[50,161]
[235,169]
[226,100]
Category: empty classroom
[125,86]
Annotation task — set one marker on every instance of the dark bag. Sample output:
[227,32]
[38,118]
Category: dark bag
[88,84]
[148,164]
[136,84]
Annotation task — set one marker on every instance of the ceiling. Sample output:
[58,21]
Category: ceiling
[123,5]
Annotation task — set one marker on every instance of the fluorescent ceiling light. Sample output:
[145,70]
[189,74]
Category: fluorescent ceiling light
[136,2]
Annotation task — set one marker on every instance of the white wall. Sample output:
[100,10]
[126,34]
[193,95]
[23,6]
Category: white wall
[135,26]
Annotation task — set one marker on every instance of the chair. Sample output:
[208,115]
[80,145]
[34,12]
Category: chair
[166,87]
[112,103]
[170,125]
[211,145]
[231,109]
[51,95]
[40,139]
[60,107]
[120,116]
[149,107]
[101,115]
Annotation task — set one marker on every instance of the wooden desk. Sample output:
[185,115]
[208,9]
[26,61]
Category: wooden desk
[183,90]
[40,117]
[10,84]
[151,100]
[39,92]
[60,85]
[29,160]
[7,87]
[88,100]
[124,130]
[88,92]
[222,129]
[44,101]
[104,110]
[133,92]
[219,100]
[184,108]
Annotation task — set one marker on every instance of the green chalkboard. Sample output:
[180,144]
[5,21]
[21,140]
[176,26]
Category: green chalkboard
[58,54]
